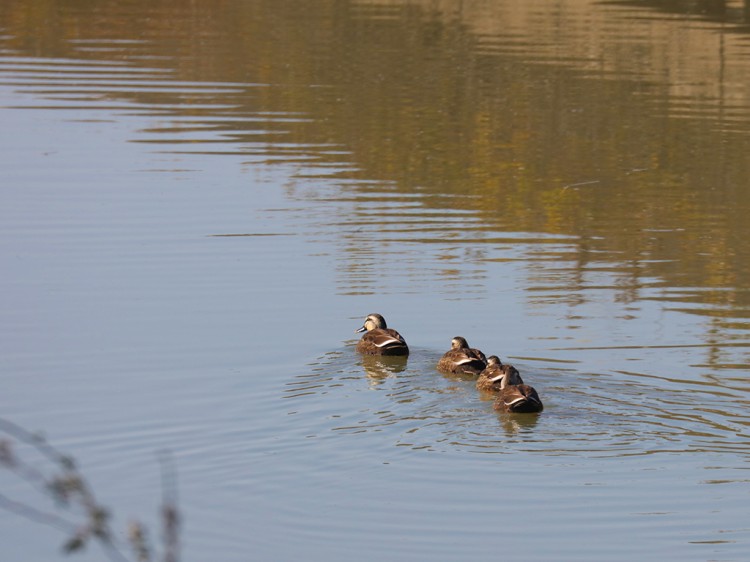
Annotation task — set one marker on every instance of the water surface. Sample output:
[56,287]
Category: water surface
[201,202]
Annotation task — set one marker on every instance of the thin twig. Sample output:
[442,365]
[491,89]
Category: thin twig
[37,515]
[170,515]
[67,487]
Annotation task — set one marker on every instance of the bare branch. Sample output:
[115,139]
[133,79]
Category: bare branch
[170,514]
[68,488]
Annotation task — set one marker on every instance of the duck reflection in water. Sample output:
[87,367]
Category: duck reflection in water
[378,368]
[518,425]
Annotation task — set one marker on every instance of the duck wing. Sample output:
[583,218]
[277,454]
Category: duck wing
[520,398]
[384,338]
[478,354]
[461,361]
[490,379]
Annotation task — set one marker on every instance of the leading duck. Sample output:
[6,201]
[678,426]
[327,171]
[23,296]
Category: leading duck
[379,339]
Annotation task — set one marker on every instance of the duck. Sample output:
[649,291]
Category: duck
[379,339]
[490,380]
[515,396]
[462,359]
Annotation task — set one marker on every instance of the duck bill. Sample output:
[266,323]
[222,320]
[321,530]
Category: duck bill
[362,329]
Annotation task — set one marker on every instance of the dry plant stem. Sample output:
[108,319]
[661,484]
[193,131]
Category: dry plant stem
[68,487]
[170,515]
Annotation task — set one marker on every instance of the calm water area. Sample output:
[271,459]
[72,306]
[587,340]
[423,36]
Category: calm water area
[200,201]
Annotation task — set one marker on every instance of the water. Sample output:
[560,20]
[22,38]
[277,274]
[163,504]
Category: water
[201,202]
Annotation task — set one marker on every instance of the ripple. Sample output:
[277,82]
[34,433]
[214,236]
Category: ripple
[616,414]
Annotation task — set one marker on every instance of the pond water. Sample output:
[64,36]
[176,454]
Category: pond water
[201,201]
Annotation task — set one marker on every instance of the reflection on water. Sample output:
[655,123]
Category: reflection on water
[378,369]
[568,183]
[642,176]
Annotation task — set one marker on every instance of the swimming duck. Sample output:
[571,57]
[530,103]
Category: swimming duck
[490,380]
[379,339]
[516,397]
[461,358]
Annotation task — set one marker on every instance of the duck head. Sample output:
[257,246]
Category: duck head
[459,343]
[371,322]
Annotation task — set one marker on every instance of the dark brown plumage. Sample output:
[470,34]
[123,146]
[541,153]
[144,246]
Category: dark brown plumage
[379,339]
[516,397]
[462,359]
[490,380]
